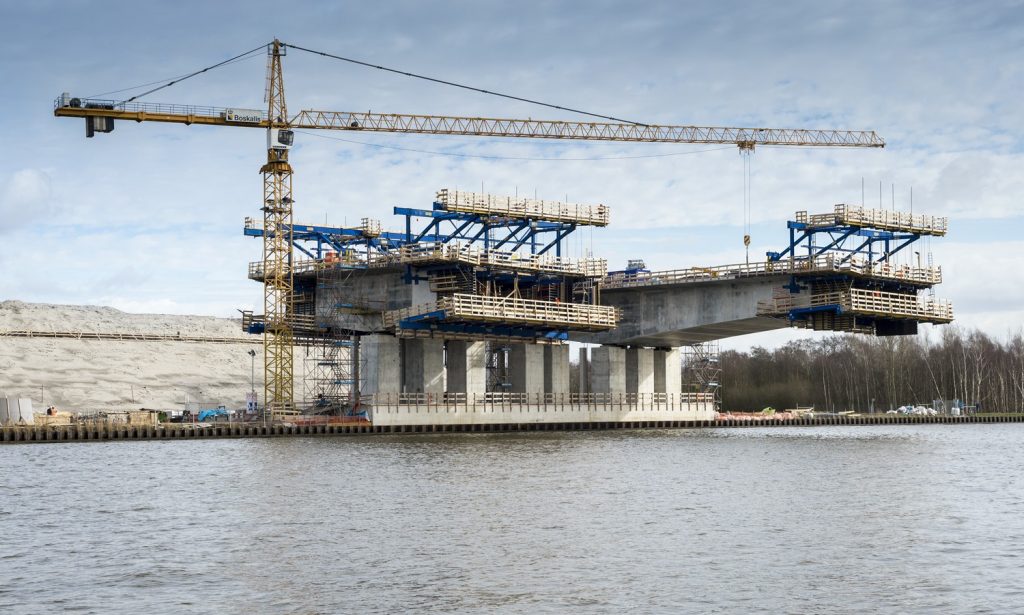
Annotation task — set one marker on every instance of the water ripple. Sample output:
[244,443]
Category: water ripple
[837,520]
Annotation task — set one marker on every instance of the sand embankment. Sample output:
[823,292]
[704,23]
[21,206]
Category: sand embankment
[87,374]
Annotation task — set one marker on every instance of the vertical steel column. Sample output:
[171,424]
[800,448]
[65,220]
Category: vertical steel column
[278,296]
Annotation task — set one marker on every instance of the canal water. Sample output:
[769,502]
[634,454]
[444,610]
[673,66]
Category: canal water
[801,520]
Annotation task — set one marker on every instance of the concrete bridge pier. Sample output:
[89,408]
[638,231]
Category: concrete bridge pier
[556,368]
[380,364]
[467,367]
[639,370]
[423,366]
[667,371]
[526,368]
[584,375]
[608,369]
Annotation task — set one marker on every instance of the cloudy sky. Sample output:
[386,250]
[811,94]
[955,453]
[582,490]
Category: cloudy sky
[149,218]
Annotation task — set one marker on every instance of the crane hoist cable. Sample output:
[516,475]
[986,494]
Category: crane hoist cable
[747,180]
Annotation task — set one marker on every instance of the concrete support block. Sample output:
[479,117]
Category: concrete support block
[423,367]
[639,370]
[526,368]
[379,364]
[607,370]
[467,367]
[556,368]
[584,380]
[667,371]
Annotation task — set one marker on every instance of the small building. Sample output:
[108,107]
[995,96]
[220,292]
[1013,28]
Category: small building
[143,417]
[16,411]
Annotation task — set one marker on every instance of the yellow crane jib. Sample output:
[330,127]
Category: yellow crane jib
[745,138]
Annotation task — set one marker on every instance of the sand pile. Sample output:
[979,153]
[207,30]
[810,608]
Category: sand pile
[100,374]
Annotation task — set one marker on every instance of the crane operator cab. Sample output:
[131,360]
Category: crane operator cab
[280,138]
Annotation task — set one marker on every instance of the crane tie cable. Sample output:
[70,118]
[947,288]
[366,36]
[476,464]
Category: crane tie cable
[193,74]
[459,85]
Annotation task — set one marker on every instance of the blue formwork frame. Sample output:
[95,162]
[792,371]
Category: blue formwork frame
[809,242]
[315,241]
[803,237]
[492,232]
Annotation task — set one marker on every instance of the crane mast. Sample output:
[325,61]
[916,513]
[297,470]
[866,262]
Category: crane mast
[279,299]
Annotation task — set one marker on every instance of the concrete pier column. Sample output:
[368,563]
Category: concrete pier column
[639,370]
[526,368]
[556,368]
[467,367]
[667,371]
[423,367]
[584,370]
[379,364]
[607,369]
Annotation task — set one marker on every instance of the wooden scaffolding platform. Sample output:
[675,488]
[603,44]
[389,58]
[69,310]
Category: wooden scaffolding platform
[855,215]
[466,308]
[462,254]
[522,208]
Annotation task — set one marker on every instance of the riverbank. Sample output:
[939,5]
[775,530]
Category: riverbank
[83,433]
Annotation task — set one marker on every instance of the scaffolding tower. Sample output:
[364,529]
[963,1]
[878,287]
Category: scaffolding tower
[702,370]
[331,374]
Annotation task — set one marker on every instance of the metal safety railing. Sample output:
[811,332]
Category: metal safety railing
[533,399]
[828,263]
[149,108]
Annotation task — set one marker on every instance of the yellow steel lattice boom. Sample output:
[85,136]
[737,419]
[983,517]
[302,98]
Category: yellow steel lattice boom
[476,126]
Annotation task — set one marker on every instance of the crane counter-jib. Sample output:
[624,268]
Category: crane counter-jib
[466,126]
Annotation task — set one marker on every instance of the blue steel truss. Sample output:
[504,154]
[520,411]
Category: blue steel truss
[806,241]
[809,242]
[315,241]
[491,232]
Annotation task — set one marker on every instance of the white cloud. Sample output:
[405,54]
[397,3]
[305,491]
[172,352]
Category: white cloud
[25,196]
[150,216]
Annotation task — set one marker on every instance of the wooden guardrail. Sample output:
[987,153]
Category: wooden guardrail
[332,260]
[479,308]
[474,256]
[855,215]
[522,208]
[863,302]
[924,276]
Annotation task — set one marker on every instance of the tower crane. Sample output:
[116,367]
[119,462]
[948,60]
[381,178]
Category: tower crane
[278,337]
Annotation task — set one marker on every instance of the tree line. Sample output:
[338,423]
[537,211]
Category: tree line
[860,373]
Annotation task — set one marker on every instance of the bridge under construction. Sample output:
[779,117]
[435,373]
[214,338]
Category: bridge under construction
[463,313]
